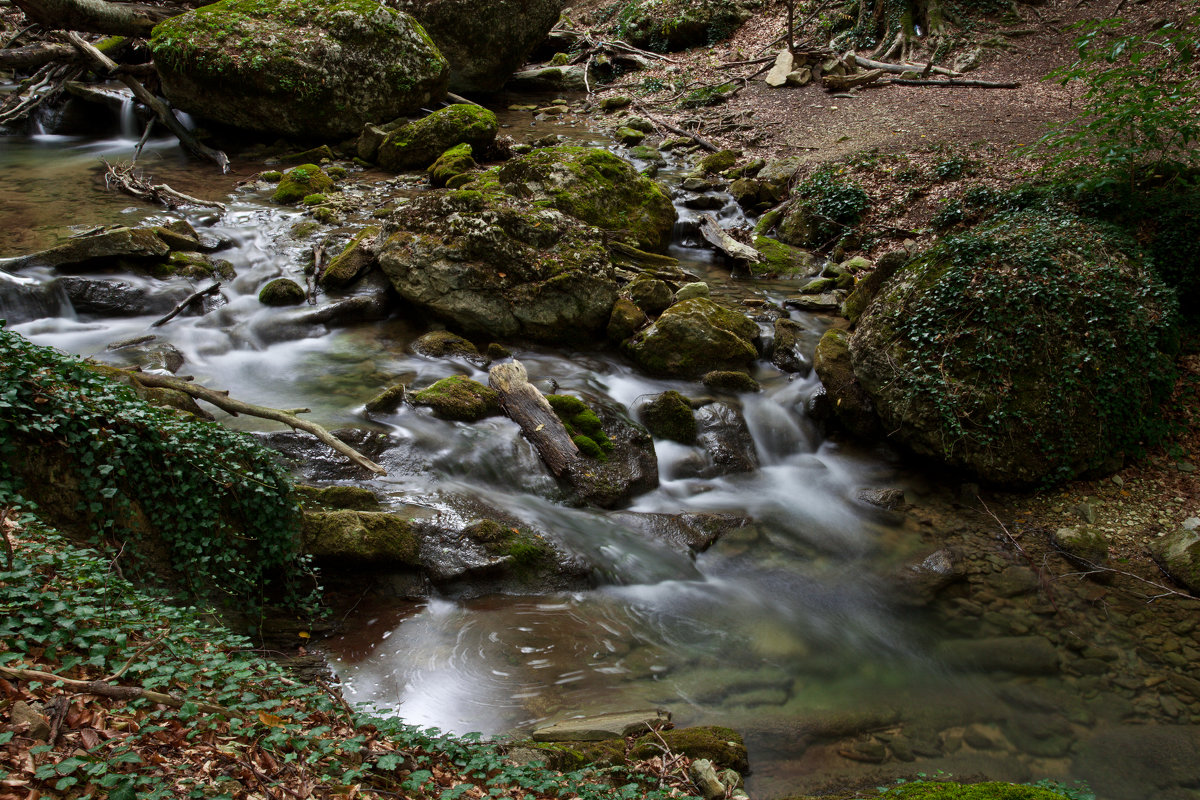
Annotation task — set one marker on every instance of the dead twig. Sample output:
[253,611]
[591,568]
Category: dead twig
[141,651]
[187,301]
[113,691]
[126,179]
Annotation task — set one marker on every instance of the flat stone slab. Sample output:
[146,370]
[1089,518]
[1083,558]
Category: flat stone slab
[830,301]
[615,725]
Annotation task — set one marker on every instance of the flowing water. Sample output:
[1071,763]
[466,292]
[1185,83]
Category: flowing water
[785,629]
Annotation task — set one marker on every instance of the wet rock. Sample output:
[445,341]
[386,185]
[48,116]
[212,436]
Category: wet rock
[350,498]
[626,320]
[1178,553]
[1040,735]
[348,311]
[108,298]
[826,302]
[696,532]
[149,355]
[693,337]
[317,68]
[458,398]
[387,401]
[569,78]
[301,182]
[851,403]
[1015,581]
[728,381]
[704,777]
[452,164]
[359,537]
[312,461]
[629,469]
[924,577]
[788,351]
[596,187]
[490,264]
[651,295]
[355,260]
[726,441]
[690,291]
[782,260]
[282,292]
[1021,655]
[1086,547]
[444,344]
[886,499]
[615,725]
[97,251]
[669,416]
[417,144]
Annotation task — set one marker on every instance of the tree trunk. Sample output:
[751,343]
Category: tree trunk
[524,404]
[96,16]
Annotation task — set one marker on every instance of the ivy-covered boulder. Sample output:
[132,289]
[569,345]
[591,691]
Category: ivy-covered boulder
[694,337]
[418,144]
[489,264]
[595,186]
[298,67]
[670,25]
[484,40]
[1032,349]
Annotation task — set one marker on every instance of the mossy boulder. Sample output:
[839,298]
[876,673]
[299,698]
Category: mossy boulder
[281,292]
[301,182]
[625,321]
[669,416]
[694,337]
[1033,349]
[852,405]
[1085,546]
[452,163]
[671,25]
[1178,554]
[359,537]
[651,295]
[781,260]
[718,162]
[98,251]
[866,289]
[724,747]
[458,398]
[730,381]
[788,353]
[196,266]
[484,40]
[444,344]
[597,187]
[417,144]
[304,68]
[493,265]
[355,260]
[353,498]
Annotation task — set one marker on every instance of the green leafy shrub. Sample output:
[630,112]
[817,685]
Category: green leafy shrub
[218,501]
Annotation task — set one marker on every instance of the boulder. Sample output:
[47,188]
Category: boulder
[781,260]
[694,337]
[1178,554]
[281,292]
[104,298]
[625,321]
[730,381]
[493,265]
[852,405]
[628,469]
[417,144]
[693,532]
[299,68]
[596,187]
[300,182]
[484,40]
[1084,546]
[669,416]
[651,295]
[452,163]
[788,352]
[549,79]
[1033,348]
[97,251]
[865,290]
[722,433]
[359,537]
[671,25]
[444,344]
[458,398]
[352,263]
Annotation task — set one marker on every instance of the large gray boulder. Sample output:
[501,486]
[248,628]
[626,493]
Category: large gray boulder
[492,265]
[311,68]
[484,40]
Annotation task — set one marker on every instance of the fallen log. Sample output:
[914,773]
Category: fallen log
[187,301]
[719,238]
[35,56]
[696,138]
[190,143]
[115,691]
[841,83]
[901,68]
[526,406]
[968,84]
[97,16]
[223,401]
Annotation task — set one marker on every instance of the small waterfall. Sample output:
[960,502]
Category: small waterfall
[129,122]
[24,300]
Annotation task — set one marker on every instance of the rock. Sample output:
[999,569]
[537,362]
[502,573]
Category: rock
[680,24]
[827,302]
[348,311]
[921,579]
[97,251]
[779,72]
[722,433]
[722,747]
[729,381]
[484,40]
[1019,354]
[1178,553]
[458,398]
[788,351]
[852,405]
[444,344]
[704,777]
[21,713]
[693,337]
[968,60]
[351,498]
[148,354]
[282,292]
[355,260]
[359,537]
[629,469]
[799,77]
[303,68]
[549,79]
[669,416]
[369,140]
[108,298]
[388,401]
[598,188]
[490,264]
[695,532]
[451,164]
[614,725]
[626,320]
[301,182]
[715,163]
[651,295]
[781,260]
[690,291]
[1084,546]
[1021,655]
[417,144]
[628,136]
[1154,758]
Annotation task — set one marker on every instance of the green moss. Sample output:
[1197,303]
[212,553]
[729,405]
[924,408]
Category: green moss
[724,747]
[730,381]
[359,537]
[281,292]
[418,144]
[352,498]
[314,199]
[302,230]
[718,162]
[583,426]
[669,416]
[781,260]
[924,790]
[301,182]
[459,398]
[451,164]
[271,176]
[349,265]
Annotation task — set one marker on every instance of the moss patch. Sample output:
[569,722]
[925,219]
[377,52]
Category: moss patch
[583,426]
[669,416]
[301,182]
[418,144]
[458,398]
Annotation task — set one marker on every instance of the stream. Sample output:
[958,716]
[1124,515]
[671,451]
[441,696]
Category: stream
[788,629]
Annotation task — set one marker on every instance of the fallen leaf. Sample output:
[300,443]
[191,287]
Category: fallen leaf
[270,720]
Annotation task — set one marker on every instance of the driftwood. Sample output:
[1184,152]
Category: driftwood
[106,64]
[37,89]
[841,83]
[36,55]
[110,690]
[526,406]
[952,83]
[901,68]
[97,16]
[719,238]
[223,401]
[187,301]
[127,180]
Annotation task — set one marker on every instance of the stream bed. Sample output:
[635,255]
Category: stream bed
[790,629]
